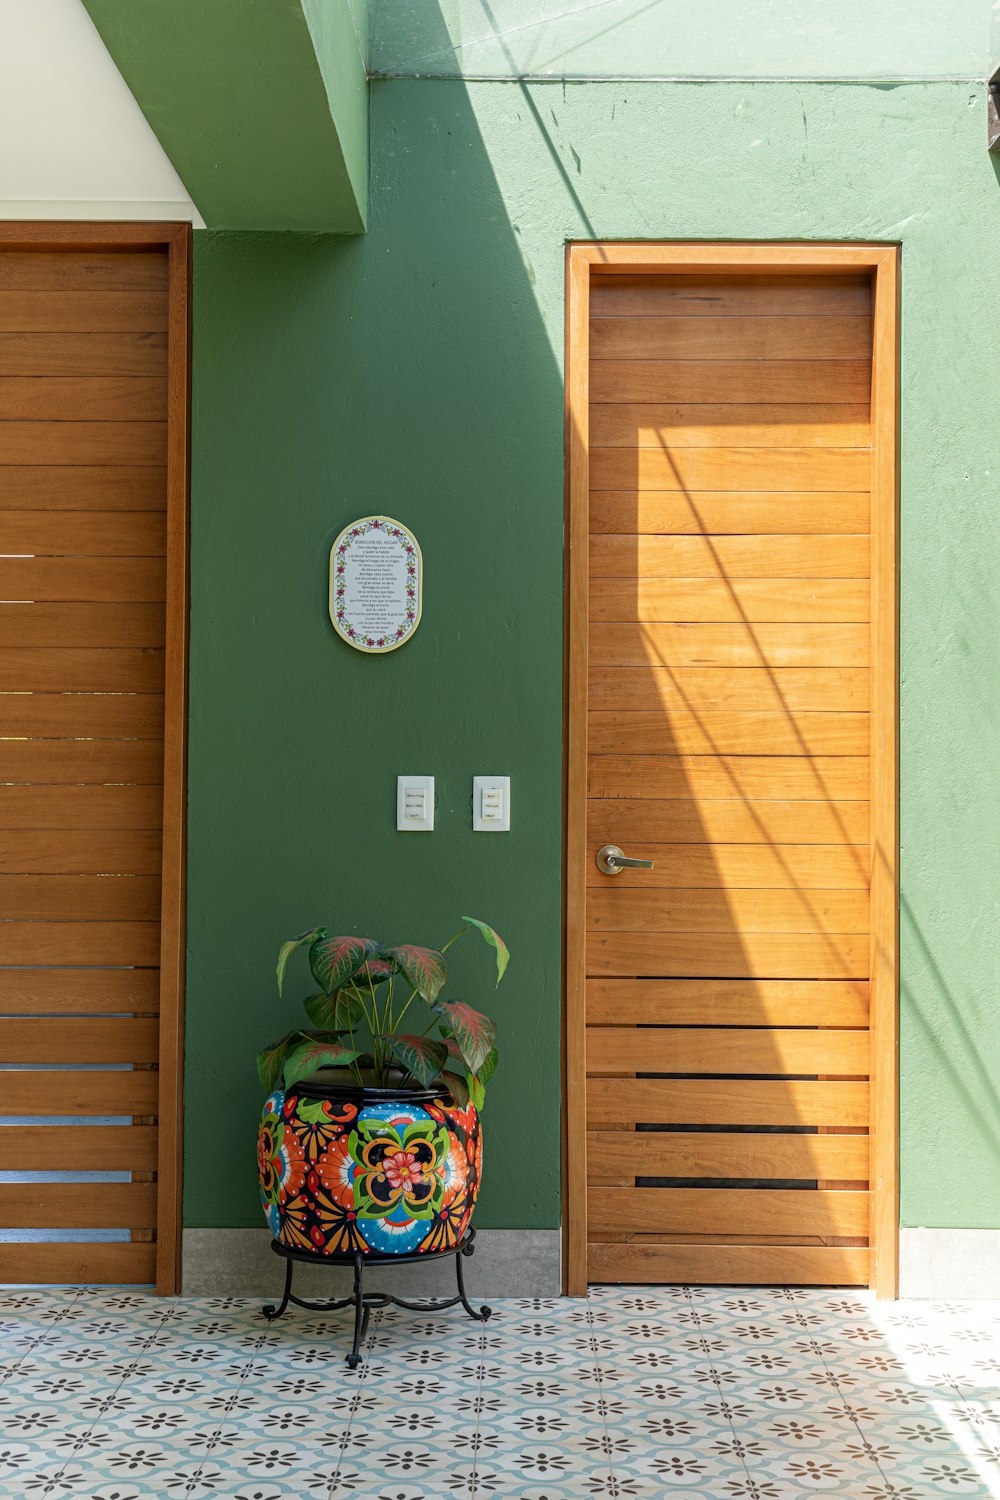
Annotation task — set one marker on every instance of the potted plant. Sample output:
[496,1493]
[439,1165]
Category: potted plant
[370,1140]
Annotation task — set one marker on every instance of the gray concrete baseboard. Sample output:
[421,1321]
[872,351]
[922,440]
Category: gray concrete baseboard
[240,1263]
[962,1264]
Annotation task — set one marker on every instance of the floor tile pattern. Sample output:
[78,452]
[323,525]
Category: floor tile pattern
[688,1393]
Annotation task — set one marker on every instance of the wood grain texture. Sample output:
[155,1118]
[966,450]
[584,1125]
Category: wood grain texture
[730,821]
[79,942]
[725,732]
[763,955]
[675,424]
[43,762]
[75,1205]
[64,311]
[688,470]
[719,1211]
[64,669]
[823,382]
[728,512]
[728,1002]
[118,580]
[58,808]
[729,557]
[68,991]
[104,354]
[733,338]
[82,399]
[65,533]
[81,1264]
[65,442]
[751,777]
[89,1040]
[79,898]
[67,1092]
[613,1154]
[770,690]
[729,296]
[726,1101]
[38,270]
[78,625]
[733,867]
[727,1265]
[722,1049]
[636,644]
[82,851]
[824,601]
[76,1148]
[634,909]
[90,487]
[35,716]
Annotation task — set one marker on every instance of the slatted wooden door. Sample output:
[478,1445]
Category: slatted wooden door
[729,741]
[92,344]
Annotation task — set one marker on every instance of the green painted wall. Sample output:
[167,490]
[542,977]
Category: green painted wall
[418,371]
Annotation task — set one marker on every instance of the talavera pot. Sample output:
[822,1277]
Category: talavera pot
[347,1170]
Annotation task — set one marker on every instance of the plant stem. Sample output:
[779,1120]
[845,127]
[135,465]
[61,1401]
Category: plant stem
[455,939]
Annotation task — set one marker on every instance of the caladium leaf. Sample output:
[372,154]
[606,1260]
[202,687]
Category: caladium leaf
[287,949]
[376,971]
[270,1061]
[312,1054]
[458,1088]
[495,941]
[335,960]
[474,1033]
[425,968]
[340,1012]
[477,1091]
[489,1067]
[422,1056]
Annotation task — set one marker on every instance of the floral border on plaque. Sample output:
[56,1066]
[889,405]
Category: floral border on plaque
[338,590]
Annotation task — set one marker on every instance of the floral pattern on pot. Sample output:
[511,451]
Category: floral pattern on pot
[382,1178]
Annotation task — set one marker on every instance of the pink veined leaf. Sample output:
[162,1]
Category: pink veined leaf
[334,960]
[378,970]
[495,941]
[474,1033]
[305,1059]
[287,949]
[270,1060]
[423,1056]
[425,968]
[340,1012]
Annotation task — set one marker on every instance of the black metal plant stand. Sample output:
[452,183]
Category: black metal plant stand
[363,1302]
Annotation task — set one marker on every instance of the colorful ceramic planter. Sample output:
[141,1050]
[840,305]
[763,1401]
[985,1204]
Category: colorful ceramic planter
[346,1170]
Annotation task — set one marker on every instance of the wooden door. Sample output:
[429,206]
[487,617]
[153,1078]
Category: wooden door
[93,340]
[726,1051]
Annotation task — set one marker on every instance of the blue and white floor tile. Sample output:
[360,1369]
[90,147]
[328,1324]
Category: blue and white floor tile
[645,1392]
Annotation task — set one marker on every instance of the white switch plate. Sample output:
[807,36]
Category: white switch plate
[415,804]
[491,804]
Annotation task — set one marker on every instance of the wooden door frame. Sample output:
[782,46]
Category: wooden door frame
[175,239]
[583,260]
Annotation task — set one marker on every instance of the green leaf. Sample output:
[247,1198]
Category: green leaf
[336,960]
[313,1054]
[422,1056]
[474,1033]
[269,1062]
[376,970]
[287,949]
[340,1012]
[489,1067]
[495,941]
[457,1087]
[477,1092]
[425,968]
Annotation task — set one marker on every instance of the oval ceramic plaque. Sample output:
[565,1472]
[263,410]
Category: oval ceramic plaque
[375,584]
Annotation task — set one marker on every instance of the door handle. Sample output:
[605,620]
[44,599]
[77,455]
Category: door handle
[613,861]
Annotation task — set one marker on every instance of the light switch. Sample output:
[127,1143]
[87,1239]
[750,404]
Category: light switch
[415,804]
[491,804]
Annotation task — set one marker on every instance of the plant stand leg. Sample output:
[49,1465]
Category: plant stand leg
[484,1312]
[360,1314]
[271,1312]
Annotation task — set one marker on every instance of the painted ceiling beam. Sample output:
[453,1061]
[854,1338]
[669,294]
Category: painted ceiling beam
[261,105]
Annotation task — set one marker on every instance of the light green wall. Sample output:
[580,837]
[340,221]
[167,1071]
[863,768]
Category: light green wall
[417,371]
[850,39]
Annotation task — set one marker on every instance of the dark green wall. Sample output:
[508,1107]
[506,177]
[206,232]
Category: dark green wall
[416,371]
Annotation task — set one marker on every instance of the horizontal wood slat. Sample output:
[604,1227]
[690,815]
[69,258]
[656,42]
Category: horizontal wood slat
[83,354]
[830,601]
[652,425]
[632,909]
[815,778]
[81,716]
[79,898]
[115,580]
[80,1264]
[764,955]
[67,991]
[23,311]
[725,732]
[734,821]
[729,296]
[109,1091]
[66,533]
[64,669]
[798,470]
[722,1049]
[79,942]
[90,487]
[727,1211]
[76,1205]
[631,644]
[800,689]
[38,808]
[726,1101]
[82,851]
[720,513]
[731,338]
[105,625]
[617,1154]
[733,867]
[40,762]
[737,1265]
[122,1039]
[100,399]
[77,1148]
[729,557]
[65,442]
[813,382]
[728,1002]
[83,270]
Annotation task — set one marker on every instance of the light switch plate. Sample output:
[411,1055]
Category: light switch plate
[415,804]
[491,804]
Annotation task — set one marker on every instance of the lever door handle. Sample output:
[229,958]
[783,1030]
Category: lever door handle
[613,861]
